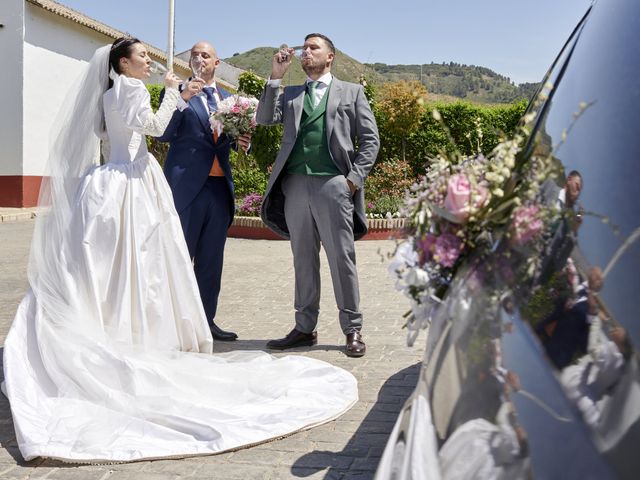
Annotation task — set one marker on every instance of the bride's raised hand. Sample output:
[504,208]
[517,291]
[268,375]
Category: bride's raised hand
[171,80]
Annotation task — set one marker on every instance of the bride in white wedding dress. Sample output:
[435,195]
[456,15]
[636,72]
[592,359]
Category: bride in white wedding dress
[109,355]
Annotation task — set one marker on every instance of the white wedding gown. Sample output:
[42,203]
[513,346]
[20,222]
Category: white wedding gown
[118,365]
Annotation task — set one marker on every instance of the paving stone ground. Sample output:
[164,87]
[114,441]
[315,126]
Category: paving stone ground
[256,302]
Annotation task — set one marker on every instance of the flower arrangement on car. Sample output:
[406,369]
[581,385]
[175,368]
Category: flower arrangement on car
[467,204]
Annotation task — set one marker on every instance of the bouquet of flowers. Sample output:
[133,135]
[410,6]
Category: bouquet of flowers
[462,205]
[235,116]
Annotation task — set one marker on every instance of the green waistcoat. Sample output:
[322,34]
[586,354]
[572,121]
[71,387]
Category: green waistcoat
[310,154]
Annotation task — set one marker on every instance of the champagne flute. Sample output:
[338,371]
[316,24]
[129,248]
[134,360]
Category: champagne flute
[197,66]
[157,68]
[298,52]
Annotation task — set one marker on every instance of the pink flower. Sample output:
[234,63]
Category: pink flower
[447,249]
[235,116]
[526,224]
[459,197]
[251,204]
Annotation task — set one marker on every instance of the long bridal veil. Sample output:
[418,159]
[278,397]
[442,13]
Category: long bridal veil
[74,149]
[80,394]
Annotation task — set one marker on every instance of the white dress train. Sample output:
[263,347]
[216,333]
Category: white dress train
[118,367]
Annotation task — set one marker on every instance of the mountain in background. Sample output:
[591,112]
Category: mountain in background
[444,81]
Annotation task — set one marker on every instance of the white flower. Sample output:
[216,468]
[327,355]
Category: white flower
[405,256]
[417,277]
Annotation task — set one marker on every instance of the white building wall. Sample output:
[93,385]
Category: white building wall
[42,55]
[55,50]
[11,93]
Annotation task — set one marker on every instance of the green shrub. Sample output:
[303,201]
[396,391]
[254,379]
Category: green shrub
[383,205]
[462,119]
[391,178]
[386,186]
[250,84]
[265,141]
[156,148]
[247,178]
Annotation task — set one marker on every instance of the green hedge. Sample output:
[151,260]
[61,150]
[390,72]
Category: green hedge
[460,118]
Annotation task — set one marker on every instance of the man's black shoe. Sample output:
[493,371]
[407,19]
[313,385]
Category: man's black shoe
[218,334]
[295,338]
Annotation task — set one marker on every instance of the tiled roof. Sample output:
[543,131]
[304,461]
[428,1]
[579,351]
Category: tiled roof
[80,18]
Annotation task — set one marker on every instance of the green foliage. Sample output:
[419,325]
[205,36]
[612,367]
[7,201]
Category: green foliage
[369,89]
[265,141]
[248,178]
[383,205]
[386,185]
[157,149]
[400,106]
[465,122]
[391,178]
[250,84]
[265,145]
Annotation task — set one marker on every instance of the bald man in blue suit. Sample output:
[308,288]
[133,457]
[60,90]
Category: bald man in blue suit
[199,174]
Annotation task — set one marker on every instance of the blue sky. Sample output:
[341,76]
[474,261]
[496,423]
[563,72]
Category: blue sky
[515,38]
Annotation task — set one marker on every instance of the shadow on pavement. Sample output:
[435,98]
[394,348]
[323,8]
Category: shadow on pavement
[360,457]
[220,347]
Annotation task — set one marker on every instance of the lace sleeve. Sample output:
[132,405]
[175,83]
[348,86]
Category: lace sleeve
[156,123]
[131,99]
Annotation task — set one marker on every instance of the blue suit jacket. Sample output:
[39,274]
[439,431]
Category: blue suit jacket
[191,152]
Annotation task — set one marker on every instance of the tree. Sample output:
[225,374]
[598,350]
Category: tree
[401,105]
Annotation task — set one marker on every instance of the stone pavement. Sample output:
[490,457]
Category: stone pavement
[256,302]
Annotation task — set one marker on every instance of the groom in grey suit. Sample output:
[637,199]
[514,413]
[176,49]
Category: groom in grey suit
[315,192]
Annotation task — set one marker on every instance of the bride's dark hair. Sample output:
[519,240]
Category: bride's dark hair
[121,48]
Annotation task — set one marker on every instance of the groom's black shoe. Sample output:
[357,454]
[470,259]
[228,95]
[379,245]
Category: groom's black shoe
[218,334]
[295,338]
